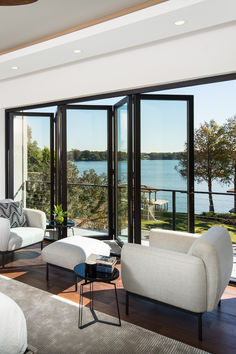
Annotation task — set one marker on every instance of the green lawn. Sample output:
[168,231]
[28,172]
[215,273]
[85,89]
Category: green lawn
[202,222]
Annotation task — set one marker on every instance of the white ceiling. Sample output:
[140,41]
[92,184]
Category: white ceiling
[20,25]
[138,28]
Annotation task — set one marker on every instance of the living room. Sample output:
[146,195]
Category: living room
[82,106]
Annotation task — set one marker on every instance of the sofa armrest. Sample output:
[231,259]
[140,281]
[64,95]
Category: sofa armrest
[172,240]
[4,234]
[174,278]
[35,218]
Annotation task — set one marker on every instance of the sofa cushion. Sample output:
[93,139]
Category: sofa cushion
[14,212]
[24,236]
[70,251]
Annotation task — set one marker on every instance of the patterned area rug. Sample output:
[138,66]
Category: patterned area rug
[52,324]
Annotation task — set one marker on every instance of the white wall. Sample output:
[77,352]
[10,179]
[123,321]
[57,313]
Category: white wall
[202,54]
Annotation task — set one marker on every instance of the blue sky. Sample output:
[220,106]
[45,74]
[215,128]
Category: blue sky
[212,101]
[163,123]
[163,126]
[86,130]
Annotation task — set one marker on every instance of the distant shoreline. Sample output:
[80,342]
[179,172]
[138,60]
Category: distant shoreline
[87,155]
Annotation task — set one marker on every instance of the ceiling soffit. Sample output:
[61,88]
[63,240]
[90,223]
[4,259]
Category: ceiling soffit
[139,28]
[22,26]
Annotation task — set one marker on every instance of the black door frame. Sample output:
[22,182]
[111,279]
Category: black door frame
[62,147]
[9,155]
[126,100]
[189,99]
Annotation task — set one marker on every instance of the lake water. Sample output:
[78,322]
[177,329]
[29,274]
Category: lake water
[162,174]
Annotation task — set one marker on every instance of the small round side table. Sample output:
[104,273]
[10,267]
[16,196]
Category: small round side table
[80,272]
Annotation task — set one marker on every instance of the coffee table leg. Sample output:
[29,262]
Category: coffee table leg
[117,304]
[81,306]
[91,295]
[76,282]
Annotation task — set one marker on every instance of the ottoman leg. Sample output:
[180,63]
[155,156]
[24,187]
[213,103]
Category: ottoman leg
[47,271]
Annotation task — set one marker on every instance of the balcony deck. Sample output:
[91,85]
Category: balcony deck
[219,327]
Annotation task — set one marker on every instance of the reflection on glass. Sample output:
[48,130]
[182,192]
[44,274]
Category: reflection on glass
[122,174]
[32,162]
[163,139]
[87,190]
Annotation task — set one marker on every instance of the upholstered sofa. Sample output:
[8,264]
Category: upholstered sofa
[12,239]
[183,270]
[13,333]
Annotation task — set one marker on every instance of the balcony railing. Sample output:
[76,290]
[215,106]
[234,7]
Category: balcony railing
[174,216]
[38,195]
[88,206]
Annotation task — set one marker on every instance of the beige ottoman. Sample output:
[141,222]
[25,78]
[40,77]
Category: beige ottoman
[70,251]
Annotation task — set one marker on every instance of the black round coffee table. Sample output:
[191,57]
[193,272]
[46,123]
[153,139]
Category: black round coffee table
[80,272]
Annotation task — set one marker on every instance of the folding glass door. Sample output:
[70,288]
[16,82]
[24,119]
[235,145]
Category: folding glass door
[30,154]
[86,167]
[164,164]
[120,170]
[123,166]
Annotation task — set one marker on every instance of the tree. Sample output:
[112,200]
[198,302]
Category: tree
[211,156]
[230,128]
[86,194]
[87,198]
[38,181]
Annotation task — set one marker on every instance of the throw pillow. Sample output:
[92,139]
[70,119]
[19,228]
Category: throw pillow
[14,212]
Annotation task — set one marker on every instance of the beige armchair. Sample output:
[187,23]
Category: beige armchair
[12,239]
[186,271]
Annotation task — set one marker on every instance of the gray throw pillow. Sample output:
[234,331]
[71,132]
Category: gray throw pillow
[14,212]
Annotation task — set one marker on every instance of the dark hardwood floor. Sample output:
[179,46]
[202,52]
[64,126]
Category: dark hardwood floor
[219,327]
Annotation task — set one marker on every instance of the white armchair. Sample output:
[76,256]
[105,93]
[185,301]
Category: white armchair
[21,237]
[186,271]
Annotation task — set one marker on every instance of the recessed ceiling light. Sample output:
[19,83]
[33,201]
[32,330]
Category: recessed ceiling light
[77,51]
[14,67]
[179,23]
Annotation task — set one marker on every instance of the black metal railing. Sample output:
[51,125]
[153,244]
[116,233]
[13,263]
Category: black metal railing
[38,195]
[87,205]
[173,215]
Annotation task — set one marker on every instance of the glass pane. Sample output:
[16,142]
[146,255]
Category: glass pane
[163,188]
[122,174]
[32,162]
[87,189]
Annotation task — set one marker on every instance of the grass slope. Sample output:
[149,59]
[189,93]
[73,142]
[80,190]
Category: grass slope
[202,222]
